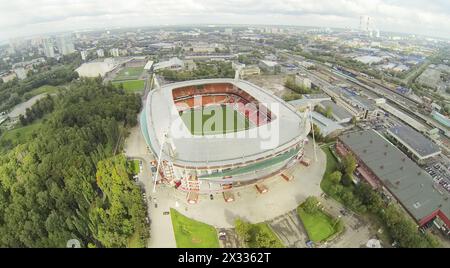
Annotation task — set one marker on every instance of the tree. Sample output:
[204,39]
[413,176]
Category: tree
[264,240]
[242,229]
[49,192]
[311,205]
[335,177]
[329,112]
[347,179]
[348,164]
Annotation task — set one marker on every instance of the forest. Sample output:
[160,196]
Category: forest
[67,182]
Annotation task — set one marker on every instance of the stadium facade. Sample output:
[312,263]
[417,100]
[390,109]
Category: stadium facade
[267,134]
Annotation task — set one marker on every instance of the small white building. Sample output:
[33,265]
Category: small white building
[21,73]
[114,52]
[172,64]
[84,54]
[268,65]
[100,53]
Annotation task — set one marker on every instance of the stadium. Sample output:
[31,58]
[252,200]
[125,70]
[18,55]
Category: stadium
[212,135]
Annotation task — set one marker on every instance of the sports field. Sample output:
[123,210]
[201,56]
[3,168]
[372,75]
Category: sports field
[319,225]
[210,120]
[129,73]
[131,85]
[190,233]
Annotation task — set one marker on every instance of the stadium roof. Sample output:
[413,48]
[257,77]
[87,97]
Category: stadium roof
[414,141]
[411,185]
[162,116]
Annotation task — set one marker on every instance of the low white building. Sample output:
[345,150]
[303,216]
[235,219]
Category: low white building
[21,73]
[268,65]
[172,64]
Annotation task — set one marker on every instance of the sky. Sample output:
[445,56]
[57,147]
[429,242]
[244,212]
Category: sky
[31,17]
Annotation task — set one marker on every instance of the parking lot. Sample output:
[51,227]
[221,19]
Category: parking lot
[289,229]
[440,173]
[228,238]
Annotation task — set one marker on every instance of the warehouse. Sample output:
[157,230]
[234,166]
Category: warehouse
[413,143]
[384,166]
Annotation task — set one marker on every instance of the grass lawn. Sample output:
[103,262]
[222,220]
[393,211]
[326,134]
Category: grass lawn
[21,134]
[190,233]
[332,165]
[129,73]
[319,225]
[44,89]
[131,85]
[214,120]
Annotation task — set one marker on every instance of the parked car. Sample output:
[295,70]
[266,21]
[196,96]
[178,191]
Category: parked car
[166,213]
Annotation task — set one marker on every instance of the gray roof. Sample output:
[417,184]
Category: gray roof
[411,185]
[415,141]
[338,111]
[326,125]
[161,115]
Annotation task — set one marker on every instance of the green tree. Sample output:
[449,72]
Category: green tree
[348,164]
[335,177]
[311,205]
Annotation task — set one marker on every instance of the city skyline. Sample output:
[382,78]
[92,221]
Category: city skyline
[44,17]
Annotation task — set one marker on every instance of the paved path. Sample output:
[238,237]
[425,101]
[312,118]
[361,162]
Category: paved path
[161,231]
[249,205]
[356,233]
[290,230]
[22,107]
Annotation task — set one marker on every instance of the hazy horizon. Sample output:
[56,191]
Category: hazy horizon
[28,18]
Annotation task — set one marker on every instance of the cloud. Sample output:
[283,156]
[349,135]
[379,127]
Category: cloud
[22,17]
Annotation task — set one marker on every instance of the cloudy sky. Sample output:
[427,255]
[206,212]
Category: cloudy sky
[29,17]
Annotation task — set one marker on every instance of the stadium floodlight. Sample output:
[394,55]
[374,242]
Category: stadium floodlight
[312,129]
[155,177]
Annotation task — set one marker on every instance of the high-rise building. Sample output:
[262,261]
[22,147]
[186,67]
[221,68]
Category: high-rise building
[84,54]
[65,45]
[48,48]
[100,53]
[114,52]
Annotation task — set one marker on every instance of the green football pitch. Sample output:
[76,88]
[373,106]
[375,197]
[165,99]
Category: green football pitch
[212,120]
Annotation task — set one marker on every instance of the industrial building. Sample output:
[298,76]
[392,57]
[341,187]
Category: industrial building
[339,113]
[413,143]
[385,167]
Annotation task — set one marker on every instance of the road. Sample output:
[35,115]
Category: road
[356,233]
[290,230]
[161,231]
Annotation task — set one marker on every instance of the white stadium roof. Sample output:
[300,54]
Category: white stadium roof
[220,150]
